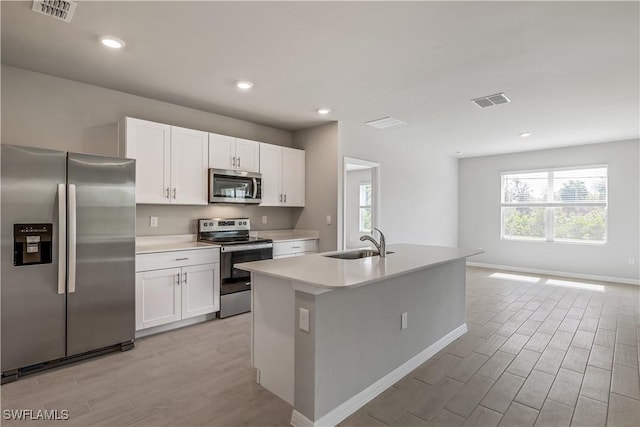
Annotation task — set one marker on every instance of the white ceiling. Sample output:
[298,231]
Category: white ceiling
[570,68]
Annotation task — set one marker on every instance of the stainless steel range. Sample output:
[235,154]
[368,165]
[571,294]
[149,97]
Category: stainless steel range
[236,247]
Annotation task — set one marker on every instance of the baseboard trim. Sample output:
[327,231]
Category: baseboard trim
[175,325]
[347,408]
[299,420]
[556,273]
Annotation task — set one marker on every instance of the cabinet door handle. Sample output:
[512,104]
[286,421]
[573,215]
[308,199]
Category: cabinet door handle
[174,192]
[167,196]
[238,161]
[285,198]
[233,161]
[181,259]
[295,247]
[185,278]
[280,197]
[178,279]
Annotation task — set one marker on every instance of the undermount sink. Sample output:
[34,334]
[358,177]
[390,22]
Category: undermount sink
[362,253]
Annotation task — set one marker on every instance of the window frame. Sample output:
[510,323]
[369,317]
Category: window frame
[361,207]
[549,205]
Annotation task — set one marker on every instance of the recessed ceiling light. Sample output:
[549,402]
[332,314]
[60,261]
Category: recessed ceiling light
[244,84]
[525,134]
[458,153]
[323,111]
[112,42]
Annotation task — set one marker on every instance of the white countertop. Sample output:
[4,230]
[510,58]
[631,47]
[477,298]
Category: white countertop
[178,242]
[331,273]
[286,235]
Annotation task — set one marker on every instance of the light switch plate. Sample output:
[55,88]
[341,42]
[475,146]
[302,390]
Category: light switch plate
[153,221]
[405,319]
[304,319]
[264,219]
[329,221]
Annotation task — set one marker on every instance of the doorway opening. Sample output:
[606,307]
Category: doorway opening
[361,200]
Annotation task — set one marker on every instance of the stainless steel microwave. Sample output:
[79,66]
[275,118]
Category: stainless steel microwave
[229,186]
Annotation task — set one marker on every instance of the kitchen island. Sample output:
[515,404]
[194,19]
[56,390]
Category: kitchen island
[328,334]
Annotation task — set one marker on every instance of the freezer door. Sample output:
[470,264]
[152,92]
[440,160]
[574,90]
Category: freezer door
[33,303]
[101,276]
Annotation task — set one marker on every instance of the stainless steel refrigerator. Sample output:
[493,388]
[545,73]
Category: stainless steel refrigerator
[68,254]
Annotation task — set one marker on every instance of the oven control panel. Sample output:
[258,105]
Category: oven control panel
[235,224]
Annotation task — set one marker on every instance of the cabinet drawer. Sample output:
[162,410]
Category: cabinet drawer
[293,247]
[160,260]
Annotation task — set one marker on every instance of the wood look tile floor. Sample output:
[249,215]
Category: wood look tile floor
[537,353]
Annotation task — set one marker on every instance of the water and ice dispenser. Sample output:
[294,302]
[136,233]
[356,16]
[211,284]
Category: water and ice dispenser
[32,244]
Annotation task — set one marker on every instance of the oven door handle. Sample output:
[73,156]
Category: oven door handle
[255,188]
[237,248]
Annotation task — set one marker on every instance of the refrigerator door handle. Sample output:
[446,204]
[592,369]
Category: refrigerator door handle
[72,238]
[62,237]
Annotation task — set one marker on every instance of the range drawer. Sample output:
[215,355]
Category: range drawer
[294,247]
[161,260]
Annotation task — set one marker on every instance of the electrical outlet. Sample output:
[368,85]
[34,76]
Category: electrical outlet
[153,221]
[264,219]
[329,221]
[632,261]
[405,319]
[304,319]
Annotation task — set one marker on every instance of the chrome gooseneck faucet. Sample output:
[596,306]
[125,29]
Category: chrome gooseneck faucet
[381,247]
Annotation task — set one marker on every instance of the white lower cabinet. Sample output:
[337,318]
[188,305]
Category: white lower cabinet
[171,294]
[294,248]
[198,296]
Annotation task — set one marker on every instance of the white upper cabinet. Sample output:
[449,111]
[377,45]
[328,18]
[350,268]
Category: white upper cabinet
[222,149]
[283,175]
[227,152]
[293,171]
[247,155]
[171,162]
[189,165]
[150,144]
[271,170]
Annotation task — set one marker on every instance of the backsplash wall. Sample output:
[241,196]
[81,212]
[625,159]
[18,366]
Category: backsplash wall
[184,219]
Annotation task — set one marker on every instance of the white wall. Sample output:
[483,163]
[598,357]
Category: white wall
[321,184]
[352,200]
[44,111]
[479,214]
[419,185]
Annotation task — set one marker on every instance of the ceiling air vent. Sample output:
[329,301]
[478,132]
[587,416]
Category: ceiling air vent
[58,9]
[488,101]
[385,122]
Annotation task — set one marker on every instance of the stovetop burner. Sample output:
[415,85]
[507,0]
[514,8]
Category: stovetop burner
[226,232]
[233,241]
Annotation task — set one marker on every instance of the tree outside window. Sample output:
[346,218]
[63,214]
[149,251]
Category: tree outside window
[364,211]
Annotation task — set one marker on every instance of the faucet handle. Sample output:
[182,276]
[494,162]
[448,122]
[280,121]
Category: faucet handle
[381,235]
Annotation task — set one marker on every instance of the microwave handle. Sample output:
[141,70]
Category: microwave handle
[255,188]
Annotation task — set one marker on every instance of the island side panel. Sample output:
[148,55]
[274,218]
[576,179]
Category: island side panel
[273,334]
[358,336]
[305,357]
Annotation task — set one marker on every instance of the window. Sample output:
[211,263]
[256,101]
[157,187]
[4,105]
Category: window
[555,205]
[364,211]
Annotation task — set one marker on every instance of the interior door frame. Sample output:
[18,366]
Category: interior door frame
[375,194]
